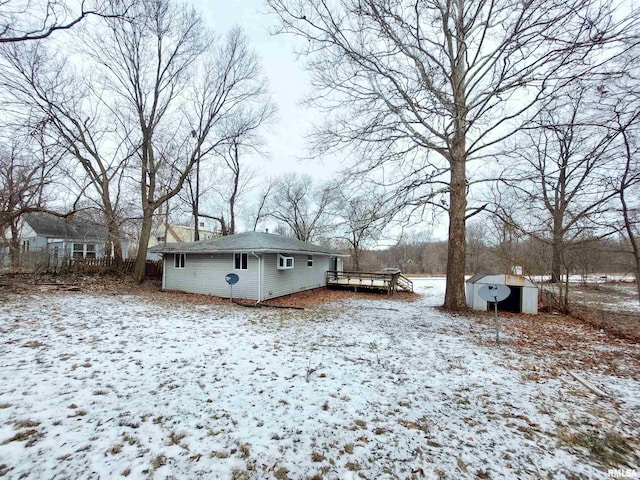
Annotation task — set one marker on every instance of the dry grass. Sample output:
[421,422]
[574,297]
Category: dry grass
[565,342]
[118,286]
[609,449]
[29,436]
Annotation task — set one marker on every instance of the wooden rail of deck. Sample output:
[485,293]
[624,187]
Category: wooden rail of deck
[382,281]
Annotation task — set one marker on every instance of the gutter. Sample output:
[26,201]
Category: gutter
[260,279]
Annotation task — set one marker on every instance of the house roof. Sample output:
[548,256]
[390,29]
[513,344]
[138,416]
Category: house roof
[247,242]
[48,225]
[500,278]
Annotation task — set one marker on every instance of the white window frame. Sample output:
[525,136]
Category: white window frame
[285,262]
[310,261]
[240,261]
[179,260]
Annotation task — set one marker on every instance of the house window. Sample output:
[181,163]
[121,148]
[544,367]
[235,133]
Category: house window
[179,260]
[284,262]
[240,261]
[91,250]
[309,260]
[78,250]
[25,245]
[160,239]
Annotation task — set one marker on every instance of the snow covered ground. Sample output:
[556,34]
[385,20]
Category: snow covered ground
[113,386]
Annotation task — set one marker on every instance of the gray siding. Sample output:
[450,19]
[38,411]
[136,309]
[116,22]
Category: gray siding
[283,282]
[206,274]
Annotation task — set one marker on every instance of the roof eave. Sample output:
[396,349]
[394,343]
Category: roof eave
[252,250]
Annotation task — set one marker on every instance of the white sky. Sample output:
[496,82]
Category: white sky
[288,83]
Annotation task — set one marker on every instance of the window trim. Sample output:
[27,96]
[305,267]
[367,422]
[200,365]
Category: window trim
[285,262]
[179,260]
[242,263]
[310,260]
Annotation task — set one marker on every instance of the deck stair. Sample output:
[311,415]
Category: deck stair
[404,284]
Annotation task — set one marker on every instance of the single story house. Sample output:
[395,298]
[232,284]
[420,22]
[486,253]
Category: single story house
[64,238]
[267,265]
[523,297]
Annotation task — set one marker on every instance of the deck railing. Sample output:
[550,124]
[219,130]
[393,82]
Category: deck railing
[386,281]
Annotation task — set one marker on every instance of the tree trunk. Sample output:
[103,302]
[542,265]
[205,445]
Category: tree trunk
[116,243]
[196,202]
[14,245]
[113,231]
[455,298]
[236,185]
[557,250]
[145,234]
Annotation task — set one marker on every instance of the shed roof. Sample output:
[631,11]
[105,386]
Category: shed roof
[501,278]
[247,242]
[52,226]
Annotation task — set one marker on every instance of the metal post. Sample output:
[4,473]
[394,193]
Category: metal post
[495,304]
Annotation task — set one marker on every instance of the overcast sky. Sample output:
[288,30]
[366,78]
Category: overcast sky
[288,83]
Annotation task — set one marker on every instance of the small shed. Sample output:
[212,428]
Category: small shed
[522,299]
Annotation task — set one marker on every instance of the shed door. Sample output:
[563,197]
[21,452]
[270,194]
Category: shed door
[513,303]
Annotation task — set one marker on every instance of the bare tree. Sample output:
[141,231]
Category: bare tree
[78,119]
[27,174]
[262,204]
[238,131]
[151,62]
[425,87]
[559,176]
[304,208]
[25,20]
[628,195]
[362,218]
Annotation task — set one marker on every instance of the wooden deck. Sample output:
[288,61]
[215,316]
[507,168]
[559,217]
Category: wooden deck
[388,282]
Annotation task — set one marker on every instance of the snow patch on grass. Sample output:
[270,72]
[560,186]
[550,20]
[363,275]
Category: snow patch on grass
[108,386]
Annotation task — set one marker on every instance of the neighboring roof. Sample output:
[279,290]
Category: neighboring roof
[501,278]
[247,242]
[50,226]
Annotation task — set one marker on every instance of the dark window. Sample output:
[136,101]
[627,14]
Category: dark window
[78,250]
[91,250]
[240,261]
[309,260]
[179,260]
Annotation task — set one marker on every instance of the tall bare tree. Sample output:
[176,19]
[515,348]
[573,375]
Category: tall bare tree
[247,110]
[628,189]
[151,61]
[79,119]
[424,87]
[560,174]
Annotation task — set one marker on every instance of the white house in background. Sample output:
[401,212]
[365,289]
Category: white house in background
[267,265]
[522,299]
[175,234]
[64,238]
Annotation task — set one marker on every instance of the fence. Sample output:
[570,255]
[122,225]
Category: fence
[47,263]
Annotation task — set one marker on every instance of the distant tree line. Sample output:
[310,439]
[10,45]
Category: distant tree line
[531,257]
